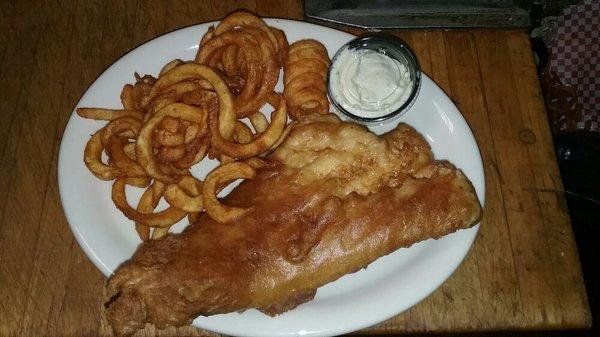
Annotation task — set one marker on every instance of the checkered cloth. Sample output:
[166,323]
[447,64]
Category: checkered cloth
[575,57]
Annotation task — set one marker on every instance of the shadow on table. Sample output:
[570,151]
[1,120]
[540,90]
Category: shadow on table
[578,155]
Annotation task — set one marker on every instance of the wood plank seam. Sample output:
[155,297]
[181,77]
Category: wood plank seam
[11,171]
[64,298]
[37,65]
[495,165]
[54,161]
[37,238]
[70,271]
[540,292]
[528,154]
[535,121]
[493,161]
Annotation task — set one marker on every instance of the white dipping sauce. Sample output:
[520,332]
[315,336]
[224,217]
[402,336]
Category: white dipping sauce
[368,83]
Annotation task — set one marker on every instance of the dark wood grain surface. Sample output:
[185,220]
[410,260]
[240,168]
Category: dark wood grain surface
[522,273]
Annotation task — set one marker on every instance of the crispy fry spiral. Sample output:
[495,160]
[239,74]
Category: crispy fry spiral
[305,78]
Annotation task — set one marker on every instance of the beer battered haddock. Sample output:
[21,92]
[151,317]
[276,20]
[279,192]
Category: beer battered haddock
[335,198]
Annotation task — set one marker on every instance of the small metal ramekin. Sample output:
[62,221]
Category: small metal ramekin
[392,47]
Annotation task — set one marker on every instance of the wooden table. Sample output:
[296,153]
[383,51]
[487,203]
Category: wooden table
[522,273]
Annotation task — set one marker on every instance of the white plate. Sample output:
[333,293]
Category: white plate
[387,287]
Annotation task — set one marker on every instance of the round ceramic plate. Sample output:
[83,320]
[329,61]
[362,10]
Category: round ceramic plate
[387,287]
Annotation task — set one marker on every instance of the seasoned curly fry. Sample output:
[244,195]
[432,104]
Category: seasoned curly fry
[215,181]
[170,123]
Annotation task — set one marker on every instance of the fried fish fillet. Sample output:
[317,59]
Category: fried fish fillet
[335,198]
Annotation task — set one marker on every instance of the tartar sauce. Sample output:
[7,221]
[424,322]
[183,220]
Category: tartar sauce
[368,83]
